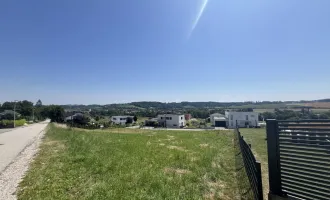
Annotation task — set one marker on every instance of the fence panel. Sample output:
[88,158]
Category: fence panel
[300,156]
[248,170]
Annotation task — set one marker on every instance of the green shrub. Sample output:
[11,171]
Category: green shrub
[10,123]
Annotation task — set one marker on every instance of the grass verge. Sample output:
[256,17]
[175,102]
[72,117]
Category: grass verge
[140,164]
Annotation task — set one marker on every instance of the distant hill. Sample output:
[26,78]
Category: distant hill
[190,105]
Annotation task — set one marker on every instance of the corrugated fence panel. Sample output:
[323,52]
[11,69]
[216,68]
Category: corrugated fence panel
[304,148]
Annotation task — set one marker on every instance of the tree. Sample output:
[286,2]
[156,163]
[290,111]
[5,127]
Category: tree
[97,118]
[129,120]
[25,108]
[39,103]
[7,106]
[56,113]
[81,119]
[135,118]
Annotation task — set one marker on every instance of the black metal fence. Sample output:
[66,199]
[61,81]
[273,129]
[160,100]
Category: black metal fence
[248,170]
[299,159]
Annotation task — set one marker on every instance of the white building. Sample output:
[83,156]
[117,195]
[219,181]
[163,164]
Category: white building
[121,119]
[171,120]
[243,119]
[216,118]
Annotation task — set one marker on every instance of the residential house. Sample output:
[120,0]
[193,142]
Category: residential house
[241,119]
[69,118]
[9,114]
[171,120]
[121,119]
[187,117]
[218,120]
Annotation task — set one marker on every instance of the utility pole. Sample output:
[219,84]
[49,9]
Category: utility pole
[33,113]
[15,113]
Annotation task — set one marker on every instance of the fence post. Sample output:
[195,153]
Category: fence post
[273,158]
[259,179]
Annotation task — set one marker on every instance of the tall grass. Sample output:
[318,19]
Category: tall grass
[76,164]
[10,123]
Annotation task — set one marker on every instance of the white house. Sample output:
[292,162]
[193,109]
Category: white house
[171,120]
[243,119]
[216,117]
[121,119]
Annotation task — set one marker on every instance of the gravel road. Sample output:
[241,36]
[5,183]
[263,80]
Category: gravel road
[17,148]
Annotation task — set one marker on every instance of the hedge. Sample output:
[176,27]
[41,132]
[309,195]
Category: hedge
[10,123]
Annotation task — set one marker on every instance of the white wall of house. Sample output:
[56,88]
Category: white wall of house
[120,119]
[243,119]
[215,116]
[172,121]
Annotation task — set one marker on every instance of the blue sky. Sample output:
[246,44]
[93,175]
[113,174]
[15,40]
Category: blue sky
[104,51]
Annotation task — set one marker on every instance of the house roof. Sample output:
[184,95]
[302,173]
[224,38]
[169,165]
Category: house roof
[9,112]
[178,114]
[216,114]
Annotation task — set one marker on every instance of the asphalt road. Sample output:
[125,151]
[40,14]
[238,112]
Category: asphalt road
[5,130]
[14,141]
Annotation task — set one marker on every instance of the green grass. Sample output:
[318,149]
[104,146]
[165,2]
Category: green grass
[132,164]
[256,137]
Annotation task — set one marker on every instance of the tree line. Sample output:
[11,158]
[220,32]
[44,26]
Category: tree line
[30,111]
[293,115]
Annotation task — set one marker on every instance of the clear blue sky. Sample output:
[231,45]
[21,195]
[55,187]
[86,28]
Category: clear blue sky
[113,51]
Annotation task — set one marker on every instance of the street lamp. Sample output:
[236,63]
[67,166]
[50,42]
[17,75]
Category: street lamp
[15,112]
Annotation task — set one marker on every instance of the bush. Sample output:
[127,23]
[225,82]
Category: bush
[10,123]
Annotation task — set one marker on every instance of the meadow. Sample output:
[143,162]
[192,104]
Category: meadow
[132,164]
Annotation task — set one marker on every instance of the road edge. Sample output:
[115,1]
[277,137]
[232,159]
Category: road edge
[12,174]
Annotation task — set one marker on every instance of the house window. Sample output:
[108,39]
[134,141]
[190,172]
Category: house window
[174,124]
[161,118]
[232,124]
[114,118]
[181,118]
[252,116]
[247,117]
[231,117]
[169,118]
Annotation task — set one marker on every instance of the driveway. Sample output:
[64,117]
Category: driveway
[14,141]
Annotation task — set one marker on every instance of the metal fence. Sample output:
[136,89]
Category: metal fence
[299,159]
[248,170]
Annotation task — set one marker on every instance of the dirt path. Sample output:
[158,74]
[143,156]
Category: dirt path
[17,149]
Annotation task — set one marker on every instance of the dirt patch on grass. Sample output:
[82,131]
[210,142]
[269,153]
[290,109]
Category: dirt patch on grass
[55,144]
[176,148]
[193,159]
[204,145]
[61,125]
[215,189]
[177,171]
[161,144]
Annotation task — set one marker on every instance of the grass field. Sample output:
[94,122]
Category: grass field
[132,164]
[325,105]
[256,137]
